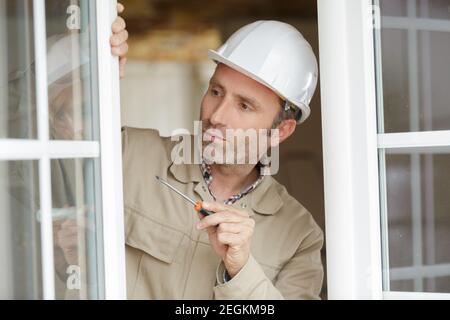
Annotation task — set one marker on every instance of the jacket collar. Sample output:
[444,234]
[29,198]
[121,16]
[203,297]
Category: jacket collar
[264,199]
[185,172]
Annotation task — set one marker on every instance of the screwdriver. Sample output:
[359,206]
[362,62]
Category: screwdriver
[198,205]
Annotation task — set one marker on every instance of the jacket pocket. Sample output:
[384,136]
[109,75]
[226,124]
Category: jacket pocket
[158,240]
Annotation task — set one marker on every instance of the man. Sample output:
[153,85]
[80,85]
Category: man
[259,243]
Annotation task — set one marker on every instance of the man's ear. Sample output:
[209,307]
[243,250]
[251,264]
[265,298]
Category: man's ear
[285,129]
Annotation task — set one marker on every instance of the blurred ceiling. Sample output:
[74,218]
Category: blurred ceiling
[142,15]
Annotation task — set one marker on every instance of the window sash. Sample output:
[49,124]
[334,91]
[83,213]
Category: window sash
[44,150]
[354,213]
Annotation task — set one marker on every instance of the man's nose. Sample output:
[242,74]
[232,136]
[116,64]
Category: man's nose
[219,115]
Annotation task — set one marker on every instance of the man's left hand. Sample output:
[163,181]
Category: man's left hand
[230,232]
[118,41]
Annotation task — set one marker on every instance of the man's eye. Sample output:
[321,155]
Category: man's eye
[245,107]
[215,92]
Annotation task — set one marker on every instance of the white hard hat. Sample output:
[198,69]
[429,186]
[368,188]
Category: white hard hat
[275,54]
[67,61]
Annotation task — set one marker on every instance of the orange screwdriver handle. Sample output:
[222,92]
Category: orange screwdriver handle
[199,208]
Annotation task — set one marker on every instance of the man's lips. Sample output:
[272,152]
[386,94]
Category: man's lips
[211,137]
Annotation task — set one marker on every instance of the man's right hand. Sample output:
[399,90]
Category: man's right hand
[118,41]
[67,233]
[66,238]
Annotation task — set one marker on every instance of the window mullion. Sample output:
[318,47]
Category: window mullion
[40,45]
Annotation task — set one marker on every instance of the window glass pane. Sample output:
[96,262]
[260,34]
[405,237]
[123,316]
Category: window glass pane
[434,79]
[77,229]
[417,198]
[77,233]
[393,8]
[434,9]
[71,60]
[396,100]
[17,77]
[71,65]
[402,285]
[20,269]
[415,63]
[438,284]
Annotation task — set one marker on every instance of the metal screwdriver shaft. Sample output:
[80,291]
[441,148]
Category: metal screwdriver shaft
[175,189]
[197,204]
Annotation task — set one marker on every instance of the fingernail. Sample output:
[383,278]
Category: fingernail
[205,205]
[199,225]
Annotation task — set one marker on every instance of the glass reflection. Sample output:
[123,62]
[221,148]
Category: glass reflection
[70,65]
[76,226]
[20,238]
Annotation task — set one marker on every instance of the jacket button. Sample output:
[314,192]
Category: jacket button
[243,205]
[204,188]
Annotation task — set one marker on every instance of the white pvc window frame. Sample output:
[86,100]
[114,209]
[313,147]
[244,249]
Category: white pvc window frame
[108,149]
[350,150]
[111,154]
